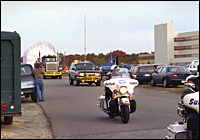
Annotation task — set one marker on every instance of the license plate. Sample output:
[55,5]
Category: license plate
[147,75]
[89,78]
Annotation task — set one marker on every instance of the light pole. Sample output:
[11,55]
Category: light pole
[85,36]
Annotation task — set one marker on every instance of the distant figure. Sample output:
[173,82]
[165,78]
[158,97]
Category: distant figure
[38,73]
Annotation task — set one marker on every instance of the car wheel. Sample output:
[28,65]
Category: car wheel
[71,81]
[98,83]
[165,83]
[27,95]
[8,120]
[34,96]
[175,85]
[77,82]
[152,82]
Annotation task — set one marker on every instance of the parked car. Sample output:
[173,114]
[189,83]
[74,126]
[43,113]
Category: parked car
[27,82]
[143,73]
[103,71]
[170,75]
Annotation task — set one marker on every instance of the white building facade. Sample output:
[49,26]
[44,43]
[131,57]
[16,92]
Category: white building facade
[175,48]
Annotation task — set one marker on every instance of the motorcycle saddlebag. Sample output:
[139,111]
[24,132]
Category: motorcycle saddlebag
[133,105]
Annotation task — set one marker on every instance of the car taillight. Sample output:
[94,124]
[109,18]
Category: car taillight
[173,76]
[4,107]
[137,71]
[103,72]
[155,69]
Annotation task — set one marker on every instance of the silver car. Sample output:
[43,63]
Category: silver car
[27,82]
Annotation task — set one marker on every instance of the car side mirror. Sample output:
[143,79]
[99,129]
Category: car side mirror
[97,68]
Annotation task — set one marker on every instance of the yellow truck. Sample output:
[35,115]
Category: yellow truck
[51,66]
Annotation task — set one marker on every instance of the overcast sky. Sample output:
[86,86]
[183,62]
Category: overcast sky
[110,25]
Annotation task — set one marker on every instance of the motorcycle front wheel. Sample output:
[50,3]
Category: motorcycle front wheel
[124,114]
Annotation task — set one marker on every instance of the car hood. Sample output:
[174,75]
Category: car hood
[27,78]
[89,71]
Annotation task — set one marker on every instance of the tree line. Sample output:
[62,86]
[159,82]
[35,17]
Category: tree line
[100,58]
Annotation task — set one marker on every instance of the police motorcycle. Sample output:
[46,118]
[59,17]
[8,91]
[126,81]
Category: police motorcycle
[118,99]
[188,108]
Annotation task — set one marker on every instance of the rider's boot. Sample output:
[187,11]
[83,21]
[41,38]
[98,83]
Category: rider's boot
[189,134]
[108,108]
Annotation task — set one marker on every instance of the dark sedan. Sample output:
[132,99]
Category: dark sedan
[170,75]
[103,71]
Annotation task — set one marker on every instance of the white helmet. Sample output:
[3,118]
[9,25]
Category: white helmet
[113,67]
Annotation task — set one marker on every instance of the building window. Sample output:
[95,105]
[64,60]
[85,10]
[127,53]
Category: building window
[186,55]
[186,39]
[186,47]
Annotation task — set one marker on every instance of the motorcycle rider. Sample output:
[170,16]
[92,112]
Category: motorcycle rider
[108,93]
[192,116]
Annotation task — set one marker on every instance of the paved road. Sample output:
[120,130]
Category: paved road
[73,113]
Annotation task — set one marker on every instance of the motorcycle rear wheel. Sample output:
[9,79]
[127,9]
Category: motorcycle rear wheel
[125,114]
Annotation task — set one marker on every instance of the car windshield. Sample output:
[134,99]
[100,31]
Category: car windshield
[48,59]
[81,66]
[178,69]
[128,66]
[120,73]
[26,70]
[146,69]
[105,68]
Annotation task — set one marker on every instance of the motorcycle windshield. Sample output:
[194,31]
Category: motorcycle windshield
[120,73]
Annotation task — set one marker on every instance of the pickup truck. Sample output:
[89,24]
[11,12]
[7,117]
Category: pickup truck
[84,72]
[111,62]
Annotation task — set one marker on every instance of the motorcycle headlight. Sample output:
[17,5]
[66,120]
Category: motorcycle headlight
[97,74]
[60,68]
[123,90]
[80,74]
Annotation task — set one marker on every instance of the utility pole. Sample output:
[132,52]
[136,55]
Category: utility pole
[85,36]
[85,41]
[64,60]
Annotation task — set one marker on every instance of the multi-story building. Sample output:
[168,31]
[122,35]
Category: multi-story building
[146,58]
[175,48]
